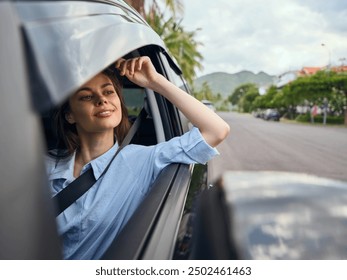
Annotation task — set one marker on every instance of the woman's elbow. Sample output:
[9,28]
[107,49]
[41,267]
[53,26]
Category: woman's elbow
[220,134]
[224,132]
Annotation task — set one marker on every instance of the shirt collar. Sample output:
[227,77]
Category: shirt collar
[100,163]
[65,167]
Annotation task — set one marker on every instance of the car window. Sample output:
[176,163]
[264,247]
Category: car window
[178,80]
[134,100]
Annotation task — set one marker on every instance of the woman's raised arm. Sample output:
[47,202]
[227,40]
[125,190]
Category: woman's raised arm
[141,71]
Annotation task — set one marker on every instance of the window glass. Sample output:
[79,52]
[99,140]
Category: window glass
[174,78]
[134,100]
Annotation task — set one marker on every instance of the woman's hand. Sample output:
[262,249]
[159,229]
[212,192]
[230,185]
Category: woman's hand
[139,70]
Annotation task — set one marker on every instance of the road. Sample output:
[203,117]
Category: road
[255,144]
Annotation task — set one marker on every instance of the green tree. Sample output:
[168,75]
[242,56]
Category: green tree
[246,102]
[244,96]
[180,43]
[174,6]
[315,89]
[241,90]
[259,102]
[310,88]
[204,92]
[266,100]
[339,86]
[278,101]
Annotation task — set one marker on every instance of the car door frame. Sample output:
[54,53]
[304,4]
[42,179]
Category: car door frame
[152,231]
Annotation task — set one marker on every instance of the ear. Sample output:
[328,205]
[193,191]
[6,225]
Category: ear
[69,118]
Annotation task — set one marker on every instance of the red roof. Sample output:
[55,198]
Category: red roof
[342,68]
[308,71]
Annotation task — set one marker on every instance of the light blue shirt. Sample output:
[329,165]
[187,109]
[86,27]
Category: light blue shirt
[91,223]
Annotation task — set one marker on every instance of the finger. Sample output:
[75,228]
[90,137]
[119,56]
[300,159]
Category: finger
[145,61]
[125,67]
[132,66]
[119,63]
[140,63]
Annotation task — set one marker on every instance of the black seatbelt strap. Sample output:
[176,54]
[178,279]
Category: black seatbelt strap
[83,183]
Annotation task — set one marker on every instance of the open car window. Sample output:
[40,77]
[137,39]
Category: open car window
[155,127]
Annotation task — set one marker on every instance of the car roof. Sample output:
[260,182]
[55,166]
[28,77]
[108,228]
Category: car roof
[76,32]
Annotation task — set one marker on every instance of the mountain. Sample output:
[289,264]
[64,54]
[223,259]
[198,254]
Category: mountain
[225,83]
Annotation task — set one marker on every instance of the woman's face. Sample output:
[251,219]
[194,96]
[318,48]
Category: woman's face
[95,107]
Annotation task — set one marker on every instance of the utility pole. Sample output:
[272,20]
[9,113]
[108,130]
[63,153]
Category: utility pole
[342,59]
[329,55]
[325,101]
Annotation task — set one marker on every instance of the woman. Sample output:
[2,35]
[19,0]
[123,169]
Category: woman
[93,123]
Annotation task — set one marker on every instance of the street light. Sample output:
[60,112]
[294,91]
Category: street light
[329,53]
[342,59]
[325,102]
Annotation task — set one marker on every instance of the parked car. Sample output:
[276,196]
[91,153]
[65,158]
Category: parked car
[258,114]
[271,115]
[48,49]
[209,104]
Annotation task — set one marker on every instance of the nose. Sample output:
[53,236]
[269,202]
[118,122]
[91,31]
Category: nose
[101,100]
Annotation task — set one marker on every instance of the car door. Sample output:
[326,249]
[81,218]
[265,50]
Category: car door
[53,47]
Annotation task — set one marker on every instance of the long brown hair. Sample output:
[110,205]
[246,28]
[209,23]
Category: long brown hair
[67,133]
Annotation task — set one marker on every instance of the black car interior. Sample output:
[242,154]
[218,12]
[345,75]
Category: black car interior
[135,100]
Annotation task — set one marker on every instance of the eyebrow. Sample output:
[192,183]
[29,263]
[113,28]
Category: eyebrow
[89,89]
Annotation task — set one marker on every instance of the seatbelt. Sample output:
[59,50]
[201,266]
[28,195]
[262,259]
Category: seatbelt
[83,183]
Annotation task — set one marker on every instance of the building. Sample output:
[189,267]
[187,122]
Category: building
[290,76]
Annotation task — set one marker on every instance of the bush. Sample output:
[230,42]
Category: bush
[319,119]
[303,118]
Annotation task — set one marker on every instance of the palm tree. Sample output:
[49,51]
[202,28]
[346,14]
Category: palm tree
[180,43]
[175,6]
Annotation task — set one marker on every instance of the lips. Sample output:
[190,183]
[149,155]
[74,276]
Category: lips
[104,113]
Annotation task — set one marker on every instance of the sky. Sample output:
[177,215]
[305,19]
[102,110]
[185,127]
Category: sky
[274,36]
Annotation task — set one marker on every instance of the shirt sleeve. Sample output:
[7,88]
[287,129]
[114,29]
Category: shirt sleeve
[191,147]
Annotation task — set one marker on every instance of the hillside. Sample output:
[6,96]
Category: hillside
[225,83]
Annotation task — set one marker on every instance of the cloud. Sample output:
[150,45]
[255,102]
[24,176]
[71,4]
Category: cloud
[268,35]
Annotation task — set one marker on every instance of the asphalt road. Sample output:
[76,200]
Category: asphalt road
[255,144]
